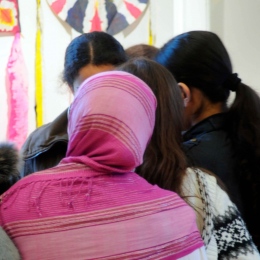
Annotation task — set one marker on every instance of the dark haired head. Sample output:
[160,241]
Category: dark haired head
[141,50]
[198,59]
[10,165]
[95,48]
[164,161]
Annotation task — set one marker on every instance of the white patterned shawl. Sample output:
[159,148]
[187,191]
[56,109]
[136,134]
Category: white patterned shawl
[223,230]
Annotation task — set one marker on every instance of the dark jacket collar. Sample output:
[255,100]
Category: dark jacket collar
[207,125]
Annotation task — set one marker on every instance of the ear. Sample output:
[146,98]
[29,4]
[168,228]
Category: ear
[185,92]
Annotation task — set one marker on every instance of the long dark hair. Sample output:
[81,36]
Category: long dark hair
[164,161]
[96,48]
[200,60]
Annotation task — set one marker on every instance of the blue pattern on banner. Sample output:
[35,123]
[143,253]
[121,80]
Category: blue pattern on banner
[76,15]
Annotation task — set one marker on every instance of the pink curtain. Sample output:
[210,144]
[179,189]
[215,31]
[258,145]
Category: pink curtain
[17,93]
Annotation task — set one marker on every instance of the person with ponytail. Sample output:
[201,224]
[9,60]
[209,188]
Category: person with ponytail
[221,226]
[221,138]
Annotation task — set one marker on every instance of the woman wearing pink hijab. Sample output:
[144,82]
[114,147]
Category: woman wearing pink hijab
[92,205]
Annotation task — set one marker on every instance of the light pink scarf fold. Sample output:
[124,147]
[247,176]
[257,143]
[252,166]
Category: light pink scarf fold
[113,116]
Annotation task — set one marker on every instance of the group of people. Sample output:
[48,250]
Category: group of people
[148,162]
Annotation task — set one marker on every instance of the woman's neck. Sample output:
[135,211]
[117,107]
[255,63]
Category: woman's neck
[206,110]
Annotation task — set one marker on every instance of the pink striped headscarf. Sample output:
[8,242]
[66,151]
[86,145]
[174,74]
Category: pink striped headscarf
[113,115]
[91,205]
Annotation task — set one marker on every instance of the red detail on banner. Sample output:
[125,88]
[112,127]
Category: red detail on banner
[57,6]
[134,11]
[96,22]
[6,15]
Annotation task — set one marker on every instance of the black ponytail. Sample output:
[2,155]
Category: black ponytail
[243,126]
[200,60]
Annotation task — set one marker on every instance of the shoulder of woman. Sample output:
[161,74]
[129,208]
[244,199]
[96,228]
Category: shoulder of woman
[196,174]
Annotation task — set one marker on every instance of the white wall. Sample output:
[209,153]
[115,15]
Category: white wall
[236,21]
[243,42]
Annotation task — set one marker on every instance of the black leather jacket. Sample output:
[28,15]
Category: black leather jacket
[207,145]
[46,146]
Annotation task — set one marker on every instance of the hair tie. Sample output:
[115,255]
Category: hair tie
[232,82]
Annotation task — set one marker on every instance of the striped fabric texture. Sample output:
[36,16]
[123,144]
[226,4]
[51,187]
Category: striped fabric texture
[92,205]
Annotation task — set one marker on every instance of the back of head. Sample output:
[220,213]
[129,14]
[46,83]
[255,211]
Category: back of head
[141,50]
[198,59]
[164,161]
[10,164]
[165,88]
[110,122]
[96,48]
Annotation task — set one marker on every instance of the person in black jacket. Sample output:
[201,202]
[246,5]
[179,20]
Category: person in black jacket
[85,56]
[223,139]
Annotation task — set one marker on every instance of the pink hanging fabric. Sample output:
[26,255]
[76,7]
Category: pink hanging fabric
[17,93]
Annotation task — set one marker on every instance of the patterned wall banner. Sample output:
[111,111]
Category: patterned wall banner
[9,16]
[111,16]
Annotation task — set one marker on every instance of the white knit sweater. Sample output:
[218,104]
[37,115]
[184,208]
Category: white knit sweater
[223,230]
